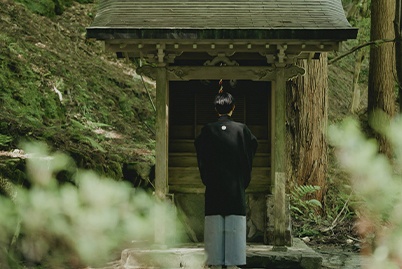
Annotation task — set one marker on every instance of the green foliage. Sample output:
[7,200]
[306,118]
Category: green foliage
[306,230]
[50,8]
[304,209]
[58,6]
[68,3]
[378,183]
[42,7]
[85,1]
[300,206]
[4,139]
[74,225]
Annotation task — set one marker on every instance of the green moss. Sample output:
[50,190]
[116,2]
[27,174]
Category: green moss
[68,3]
[35,58]
[114,170]
[49,8]
[85,1]
[42,7]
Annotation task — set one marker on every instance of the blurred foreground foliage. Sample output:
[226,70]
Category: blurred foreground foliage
[75,224]
[378,183]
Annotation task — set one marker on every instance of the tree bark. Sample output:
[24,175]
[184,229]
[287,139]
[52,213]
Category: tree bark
[381,91]
[357,10]
[307,106]
[398,48]
[355,102]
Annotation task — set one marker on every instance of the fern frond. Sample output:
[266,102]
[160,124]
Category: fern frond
[293,208]
[314,202]
[300,191]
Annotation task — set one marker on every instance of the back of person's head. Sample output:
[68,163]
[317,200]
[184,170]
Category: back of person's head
[224,102]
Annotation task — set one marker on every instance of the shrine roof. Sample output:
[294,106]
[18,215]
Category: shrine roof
[221,19]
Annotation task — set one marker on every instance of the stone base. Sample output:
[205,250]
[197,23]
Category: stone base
[299,256]
[269,232]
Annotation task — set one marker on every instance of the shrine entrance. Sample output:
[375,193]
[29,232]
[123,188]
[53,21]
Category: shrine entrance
[184,106]
[190,109]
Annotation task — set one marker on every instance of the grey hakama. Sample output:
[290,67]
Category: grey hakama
[225,240]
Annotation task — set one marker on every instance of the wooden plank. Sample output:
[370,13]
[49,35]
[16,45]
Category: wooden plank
[187,189]
[200,189]
[182,145]
[187,146]
[184,159]
[191,176]
[260,132]
[181,132]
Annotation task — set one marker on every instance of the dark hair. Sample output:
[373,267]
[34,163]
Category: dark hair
[224,102]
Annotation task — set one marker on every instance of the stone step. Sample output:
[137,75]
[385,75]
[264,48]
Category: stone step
[193,256]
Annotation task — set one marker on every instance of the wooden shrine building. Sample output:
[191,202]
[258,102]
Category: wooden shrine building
[251,45]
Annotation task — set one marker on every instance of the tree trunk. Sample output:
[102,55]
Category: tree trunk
[307,106]
[355,102]
[357,10]
[398,48]
[381,92]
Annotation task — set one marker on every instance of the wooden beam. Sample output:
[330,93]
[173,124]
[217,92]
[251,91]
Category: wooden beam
[162,153]
[255,73]
[162,94]
[184,73]
[279,164]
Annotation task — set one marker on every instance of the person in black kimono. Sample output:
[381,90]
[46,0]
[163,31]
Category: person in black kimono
[225,153]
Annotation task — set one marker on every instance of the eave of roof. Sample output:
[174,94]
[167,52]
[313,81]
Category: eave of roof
[222,34]
[221,19]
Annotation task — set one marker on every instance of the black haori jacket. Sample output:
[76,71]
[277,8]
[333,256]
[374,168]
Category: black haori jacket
[225,153]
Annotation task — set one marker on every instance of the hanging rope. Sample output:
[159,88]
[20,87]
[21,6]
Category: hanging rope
[220,85]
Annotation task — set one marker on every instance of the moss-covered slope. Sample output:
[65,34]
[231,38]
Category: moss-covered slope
[58,88]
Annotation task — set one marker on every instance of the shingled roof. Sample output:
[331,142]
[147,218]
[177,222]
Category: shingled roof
[266,19]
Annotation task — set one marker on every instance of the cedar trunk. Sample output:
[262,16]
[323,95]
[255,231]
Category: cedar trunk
[381,90]
[307,106]
[398,48]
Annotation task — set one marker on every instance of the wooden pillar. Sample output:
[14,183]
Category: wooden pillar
[278,152]
[161,150]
